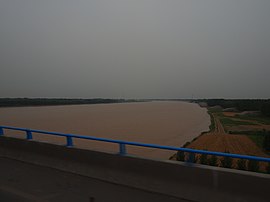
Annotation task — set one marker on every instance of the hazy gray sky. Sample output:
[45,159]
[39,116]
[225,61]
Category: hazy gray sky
[135,48]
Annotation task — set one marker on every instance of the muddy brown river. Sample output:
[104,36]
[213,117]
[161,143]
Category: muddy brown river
[164,123]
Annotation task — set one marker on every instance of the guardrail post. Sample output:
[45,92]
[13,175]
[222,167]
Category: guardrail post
[122,149]
[69,141]
[191,158]
[1,131]
[29,135]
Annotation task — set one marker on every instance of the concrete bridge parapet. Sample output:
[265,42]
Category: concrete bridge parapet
[187,182]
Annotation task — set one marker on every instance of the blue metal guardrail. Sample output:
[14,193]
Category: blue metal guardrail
[122,144]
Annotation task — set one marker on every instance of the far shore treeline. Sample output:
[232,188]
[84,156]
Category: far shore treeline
[262,105]
[20,102]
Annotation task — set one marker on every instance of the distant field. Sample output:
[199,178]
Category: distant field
[230,133]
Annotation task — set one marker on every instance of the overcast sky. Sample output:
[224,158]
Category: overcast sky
[135,48]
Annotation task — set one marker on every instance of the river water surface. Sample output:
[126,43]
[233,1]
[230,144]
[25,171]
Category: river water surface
[164,123]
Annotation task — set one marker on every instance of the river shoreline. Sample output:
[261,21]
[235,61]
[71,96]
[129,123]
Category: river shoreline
[170,123]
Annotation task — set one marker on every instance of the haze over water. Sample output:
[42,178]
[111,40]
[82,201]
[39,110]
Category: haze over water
[135,48]
[163,123]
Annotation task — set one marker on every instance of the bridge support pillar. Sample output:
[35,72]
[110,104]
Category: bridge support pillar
[122,149]
[29,135]
[1,131]
[69,142]
[191,158]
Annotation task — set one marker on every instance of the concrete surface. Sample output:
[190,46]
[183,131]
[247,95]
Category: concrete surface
[23,182]
[172,180]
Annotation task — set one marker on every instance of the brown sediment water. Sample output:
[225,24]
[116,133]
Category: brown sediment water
[170,123]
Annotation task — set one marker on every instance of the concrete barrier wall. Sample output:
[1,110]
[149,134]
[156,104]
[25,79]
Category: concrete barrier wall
[187,182]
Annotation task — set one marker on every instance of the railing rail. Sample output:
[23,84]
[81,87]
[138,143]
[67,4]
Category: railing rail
[122,144]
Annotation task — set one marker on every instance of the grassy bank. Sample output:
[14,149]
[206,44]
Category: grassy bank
[259,119]
[211,128]
[212,125]
[225,121]
[215,136]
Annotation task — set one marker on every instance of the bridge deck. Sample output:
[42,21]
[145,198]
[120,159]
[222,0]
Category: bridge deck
[46,172]
[20,181]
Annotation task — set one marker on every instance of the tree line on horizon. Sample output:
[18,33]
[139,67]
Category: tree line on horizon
[16,102]
[262,105]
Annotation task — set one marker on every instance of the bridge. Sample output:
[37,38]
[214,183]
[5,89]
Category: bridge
[39,171]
